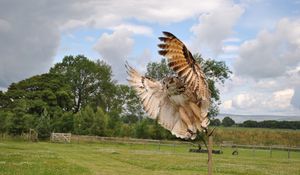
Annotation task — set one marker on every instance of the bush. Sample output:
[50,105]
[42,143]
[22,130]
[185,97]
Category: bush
[227,121]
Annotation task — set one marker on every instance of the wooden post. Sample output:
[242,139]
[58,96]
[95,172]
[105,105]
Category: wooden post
[174,147]
[159,146]
[270,151]
[210,147]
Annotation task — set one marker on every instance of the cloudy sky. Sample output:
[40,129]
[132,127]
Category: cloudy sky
[258,39]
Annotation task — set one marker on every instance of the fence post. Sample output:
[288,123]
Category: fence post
[253,150]
[174,147]
[210,143]
[158,145]
[289,153]
[271,151]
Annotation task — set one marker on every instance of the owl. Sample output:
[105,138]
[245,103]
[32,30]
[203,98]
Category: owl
[180,102]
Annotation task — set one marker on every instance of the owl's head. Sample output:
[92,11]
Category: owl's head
[170,82]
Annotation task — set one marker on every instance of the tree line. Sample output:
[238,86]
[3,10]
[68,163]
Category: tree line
[228,122]
[271,124]
[79,95]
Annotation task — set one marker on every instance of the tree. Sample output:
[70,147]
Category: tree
[4,121]
[250,124]
[4,100]
[227,121]
[62,121]
[215,122]
[158,70]
[20,122]
[100,123]
[215,71]
[142,129]
[40,92]
[88,80]
[43,126]
[83,121]
[129,104]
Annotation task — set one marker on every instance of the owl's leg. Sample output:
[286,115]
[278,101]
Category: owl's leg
[196,110]
[187,120]
[204,121]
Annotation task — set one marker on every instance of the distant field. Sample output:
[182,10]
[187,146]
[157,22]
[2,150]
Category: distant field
[17,157]
[258,136]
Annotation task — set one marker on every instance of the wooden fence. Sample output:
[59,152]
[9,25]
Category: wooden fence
[61,137]
[78,138]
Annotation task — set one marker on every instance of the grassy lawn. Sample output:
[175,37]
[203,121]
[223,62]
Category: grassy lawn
[17,157]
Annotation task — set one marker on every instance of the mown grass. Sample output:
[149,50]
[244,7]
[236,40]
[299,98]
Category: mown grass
[17,157]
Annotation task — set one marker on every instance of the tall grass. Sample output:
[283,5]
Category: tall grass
[258,136]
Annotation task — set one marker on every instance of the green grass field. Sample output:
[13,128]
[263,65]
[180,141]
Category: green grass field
[18,157]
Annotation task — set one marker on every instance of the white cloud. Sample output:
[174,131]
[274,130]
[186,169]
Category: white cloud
[143,59]
[216,26]
[271,54]
[90,38]
[231,40]
[29,32]
[110,14]
[136,29]
[244,100]
[281,99]
[226,105]
[230,48]
[279,95]
[115,49]
[4,25]
[296,98]
[253,102]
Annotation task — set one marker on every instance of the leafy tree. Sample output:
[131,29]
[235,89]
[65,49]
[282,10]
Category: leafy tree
[88,80]
[20,122]
[43,126]
[127,130]
[62,121]
[158,70]
[4,121]
[142,129]
[227,121]
[114,124]
[4,100]
[83,121]
[40,92]
[129,104]
[215,122]
[271,124]
[158,132]
[250,124]
[100,123]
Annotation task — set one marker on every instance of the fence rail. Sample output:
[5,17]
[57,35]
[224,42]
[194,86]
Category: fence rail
[173,142]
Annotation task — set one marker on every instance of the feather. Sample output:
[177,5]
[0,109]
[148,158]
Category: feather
[183,57]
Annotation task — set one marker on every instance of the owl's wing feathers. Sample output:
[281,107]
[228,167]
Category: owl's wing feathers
[157,103]
[149,91]
[182,62]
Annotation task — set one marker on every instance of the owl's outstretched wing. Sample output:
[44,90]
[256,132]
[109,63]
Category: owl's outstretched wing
[183,63]
[157,104]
